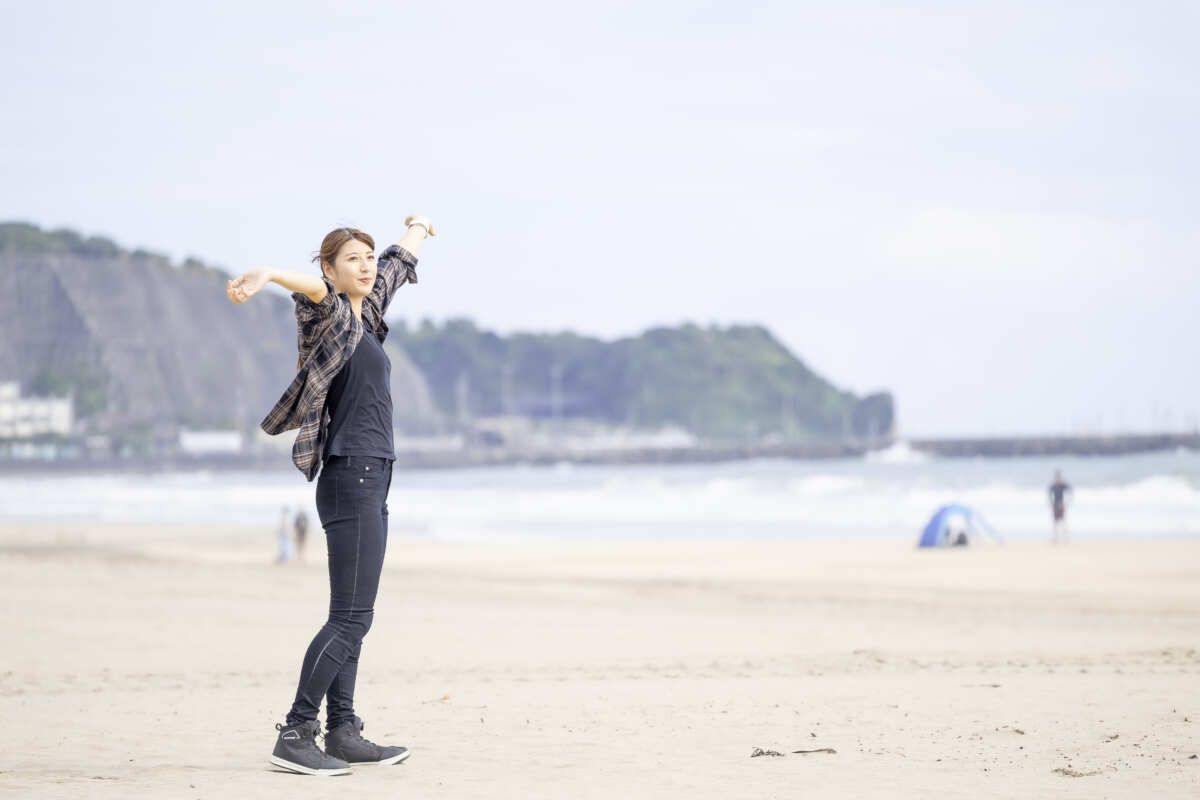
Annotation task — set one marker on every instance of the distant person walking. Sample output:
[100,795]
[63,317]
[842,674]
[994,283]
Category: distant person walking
[340,400]
[1060,492]
[283,537]
[300,525]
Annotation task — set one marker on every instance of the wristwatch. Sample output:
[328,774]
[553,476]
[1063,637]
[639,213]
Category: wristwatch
[417,219]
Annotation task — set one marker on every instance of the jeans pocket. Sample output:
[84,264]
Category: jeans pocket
[370,475]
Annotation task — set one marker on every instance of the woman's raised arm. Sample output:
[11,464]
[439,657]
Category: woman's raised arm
[419,227]
[242,289]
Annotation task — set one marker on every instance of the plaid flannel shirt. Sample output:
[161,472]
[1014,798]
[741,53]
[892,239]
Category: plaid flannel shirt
[326,335]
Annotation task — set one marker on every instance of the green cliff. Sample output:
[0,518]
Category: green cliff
[732,383]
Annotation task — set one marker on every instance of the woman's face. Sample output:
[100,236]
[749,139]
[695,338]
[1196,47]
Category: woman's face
[353,269]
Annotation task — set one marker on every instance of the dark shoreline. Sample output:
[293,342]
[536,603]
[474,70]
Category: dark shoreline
[999,447]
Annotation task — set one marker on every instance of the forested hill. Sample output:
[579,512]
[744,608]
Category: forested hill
[144,346]
[733,382]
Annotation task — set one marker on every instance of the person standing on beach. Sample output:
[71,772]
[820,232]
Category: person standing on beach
[1059,492]
[340,400]
[300,524]
[283,537]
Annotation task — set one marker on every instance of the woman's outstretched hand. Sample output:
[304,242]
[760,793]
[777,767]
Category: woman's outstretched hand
[242,289]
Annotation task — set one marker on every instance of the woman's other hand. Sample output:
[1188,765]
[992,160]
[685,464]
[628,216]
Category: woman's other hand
[242,289]
[423,221]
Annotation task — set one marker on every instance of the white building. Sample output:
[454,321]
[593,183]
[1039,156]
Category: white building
[25,417]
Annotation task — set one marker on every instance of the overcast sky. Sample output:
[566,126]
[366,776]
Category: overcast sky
[989,212]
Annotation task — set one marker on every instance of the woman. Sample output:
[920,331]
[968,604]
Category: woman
[340,400]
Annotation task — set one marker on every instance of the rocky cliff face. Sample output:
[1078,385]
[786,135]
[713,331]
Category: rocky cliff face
[413,407]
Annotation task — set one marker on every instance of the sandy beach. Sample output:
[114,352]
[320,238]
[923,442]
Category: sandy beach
[153,661]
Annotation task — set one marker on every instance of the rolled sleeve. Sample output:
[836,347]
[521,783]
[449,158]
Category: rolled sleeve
[396,267]
[401,261]
[323,308]
[312,319]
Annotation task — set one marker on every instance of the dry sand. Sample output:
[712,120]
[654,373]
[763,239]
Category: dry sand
[152,661]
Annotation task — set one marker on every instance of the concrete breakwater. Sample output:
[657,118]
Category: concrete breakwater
[998,447]
[1011,447]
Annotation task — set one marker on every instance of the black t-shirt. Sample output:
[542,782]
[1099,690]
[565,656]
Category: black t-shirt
[360,403]
[1058,492]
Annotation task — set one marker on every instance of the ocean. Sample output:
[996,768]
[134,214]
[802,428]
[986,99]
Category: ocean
[890,494]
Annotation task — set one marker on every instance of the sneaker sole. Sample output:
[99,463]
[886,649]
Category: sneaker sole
[384,763]
[303,770]
[394,759]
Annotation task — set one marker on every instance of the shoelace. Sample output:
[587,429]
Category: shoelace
[312,738]
[356,733]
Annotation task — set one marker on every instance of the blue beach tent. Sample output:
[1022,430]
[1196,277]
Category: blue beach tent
[955,525]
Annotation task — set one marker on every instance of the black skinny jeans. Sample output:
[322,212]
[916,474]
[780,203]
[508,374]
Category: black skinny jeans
[352,504]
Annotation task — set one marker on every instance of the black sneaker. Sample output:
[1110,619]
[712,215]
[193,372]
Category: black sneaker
[346,742]
[296,750]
